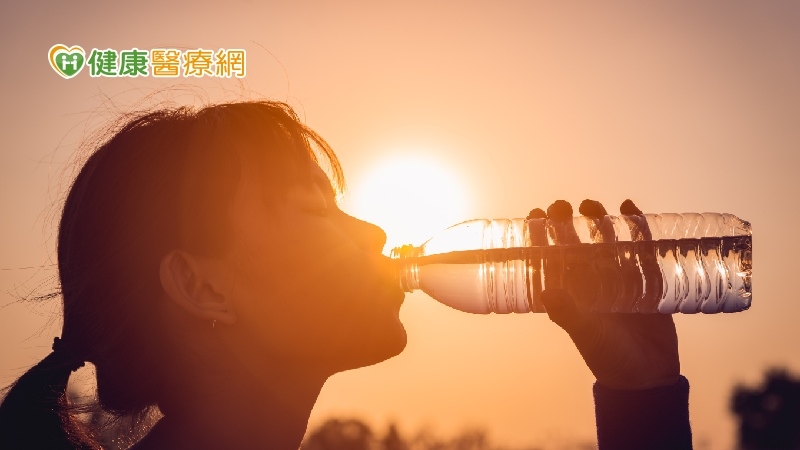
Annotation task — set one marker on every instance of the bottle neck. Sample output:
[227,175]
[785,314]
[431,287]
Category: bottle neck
[407,269]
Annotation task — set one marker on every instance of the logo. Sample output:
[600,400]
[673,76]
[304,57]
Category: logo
[157,62]
[67,62]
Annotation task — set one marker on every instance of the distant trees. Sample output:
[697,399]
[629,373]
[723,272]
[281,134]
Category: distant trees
[769,415]
[338,434]
[353,434]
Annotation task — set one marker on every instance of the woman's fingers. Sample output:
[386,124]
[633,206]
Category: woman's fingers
[559,210]
[537,213]
[640,229]
[561,226]
[562,210]
[592,208]
[604,228]
[563,232]
[628,208]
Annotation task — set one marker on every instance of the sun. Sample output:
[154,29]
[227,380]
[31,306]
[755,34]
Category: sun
[410,197]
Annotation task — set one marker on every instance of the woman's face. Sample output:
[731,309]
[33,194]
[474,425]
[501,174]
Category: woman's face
[311,285]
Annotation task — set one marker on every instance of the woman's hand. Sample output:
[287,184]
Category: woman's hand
[623,350]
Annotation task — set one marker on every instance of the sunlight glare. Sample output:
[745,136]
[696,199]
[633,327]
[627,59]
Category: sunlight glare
[410,197]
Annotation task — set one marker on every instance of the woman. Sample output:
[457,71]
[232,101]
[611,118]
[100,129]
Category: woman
[205,269]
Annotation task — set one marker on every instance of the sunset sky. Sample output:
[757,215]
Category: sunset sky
[493,108]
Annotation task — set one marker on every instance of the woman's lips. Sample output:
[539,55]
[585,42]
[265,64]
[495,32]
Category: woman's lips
[390,289]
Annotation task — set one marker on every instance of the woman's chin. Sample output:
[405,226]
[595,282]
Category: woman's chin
[386,346]
[399,343]
[396,337]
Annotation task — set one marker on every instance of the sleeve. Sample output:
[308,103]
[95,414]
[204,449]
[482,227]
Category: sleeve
[652,419]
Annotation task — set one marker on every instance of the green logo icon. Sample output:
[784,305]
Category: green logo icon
[67,62]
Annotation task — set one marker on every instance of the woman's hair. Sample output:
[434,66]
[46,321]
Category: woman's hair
[162,180]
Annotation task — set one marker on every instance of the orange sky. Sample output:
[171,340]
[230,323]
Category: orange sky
[684,107]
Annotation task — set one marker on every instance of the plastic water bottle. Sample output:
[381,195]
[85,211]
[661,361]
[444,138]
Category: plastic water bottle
[665,263]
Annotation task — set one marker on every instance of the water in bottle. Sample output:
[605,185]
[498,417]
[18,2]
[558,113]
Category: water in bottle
[665,263]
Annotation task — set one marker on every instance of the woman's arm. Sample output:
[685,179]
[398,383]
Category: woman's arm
[641,400]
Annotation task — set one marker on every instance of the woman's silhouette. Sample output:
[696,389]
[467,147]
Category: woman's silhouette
[206,270]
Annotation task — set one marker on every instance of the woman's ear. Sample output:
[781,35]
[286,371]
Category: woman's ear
[198,285]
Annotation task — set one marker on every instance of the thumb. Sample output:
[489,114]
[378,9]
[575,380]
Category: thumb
[561,309]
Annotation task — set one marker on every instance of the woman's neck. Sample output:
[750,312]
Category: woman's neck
[243,407]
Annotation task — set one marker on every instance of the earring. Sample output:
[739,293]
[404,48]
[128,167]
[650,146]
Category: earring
[214,323]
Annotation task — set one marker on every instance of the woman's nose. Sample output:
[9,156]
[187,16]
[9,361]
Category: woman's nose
[368,236]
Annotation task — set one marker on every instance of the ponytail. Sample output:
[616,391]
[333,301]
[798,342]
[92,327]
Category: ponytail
[34,413]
